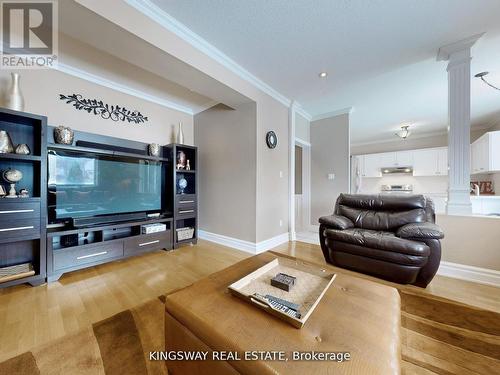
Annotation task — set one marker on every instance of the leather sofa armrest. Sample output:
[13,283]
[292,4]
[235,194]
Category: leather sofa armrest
[420,231]
[336,222]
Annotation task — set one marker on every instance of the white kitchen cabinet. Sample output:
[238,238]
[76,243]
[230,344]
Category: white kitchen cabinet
[404,158]
[425,162]
[371,166]
[442,161]
[396,159]
[387,159]
[481,161]
[430,162]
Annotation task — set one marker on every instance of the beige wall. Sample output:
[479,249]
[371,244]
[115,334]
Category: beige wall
[272,187]
[471,240]
[227,169]
[41,89]
[329,154]
[302,128]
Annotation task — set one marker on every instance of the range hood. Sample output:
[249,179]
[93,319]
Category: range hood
[397,170]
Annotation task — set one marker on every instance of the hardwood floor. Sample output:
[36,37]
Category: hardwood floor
[32,316]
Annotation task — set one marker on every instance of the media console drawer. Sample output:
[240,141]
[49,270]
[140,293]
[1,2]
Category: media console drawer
[71,257]
[148,242]
[13,229]
[19,210]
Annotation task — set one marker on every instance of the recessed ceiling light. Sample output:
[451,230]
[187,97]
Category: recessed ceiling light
[323,75]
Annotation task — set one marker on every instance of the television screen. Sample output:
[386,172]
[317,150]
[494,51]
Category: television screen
[86,185]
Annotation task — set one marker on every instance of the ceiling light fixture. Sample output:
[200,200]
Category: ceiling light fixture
[404,132]
[323,75]
[481,76]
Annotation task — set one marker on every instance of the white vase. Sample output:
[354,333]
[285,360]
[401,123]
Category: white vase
[180,135]
[14,98]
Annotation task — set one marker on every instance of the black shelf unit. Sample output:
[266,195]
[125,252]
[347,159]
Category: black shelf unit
[23,220]
[185,203]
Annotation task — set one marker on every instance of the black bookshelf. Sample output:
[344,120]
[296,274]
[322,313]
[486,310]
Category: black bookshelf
[23,220]
[185,200]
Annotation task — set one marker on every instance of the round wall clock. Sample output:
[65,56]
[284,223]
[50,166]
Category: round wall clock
[271,139]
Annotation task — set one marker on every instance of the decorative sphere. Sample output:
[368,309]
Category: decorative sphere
[12,175]
[183,183]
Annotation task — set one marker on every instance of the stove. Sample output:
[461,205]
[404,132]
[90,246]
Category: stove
[397,189]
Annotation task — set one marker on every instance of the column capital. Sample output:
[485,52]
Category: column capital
[460,49]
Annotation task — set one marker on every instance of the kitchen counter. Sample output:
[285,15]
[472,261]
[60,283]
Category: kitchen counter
[485,204]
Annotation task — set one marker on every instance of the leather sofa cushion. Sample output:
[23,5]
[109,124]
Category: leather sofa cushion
[421,231]
[378,240]
[383,202]
[382,220]
[336,222]
[383,255]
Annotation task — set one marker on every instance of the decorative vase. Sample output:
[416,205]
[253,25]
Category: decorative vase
[14,98]
[180,135]
[6,146]
[23,149]
[64,135]
[154,149]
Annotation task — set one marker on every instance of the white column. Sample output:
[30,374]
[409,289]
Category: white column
[291,173]
[458,56]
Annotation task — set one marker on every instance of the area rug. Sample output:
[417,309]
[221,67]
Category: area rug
[119,345]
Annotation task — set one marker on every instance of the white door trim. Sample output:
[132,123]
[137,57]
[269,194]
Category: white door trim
[306,182]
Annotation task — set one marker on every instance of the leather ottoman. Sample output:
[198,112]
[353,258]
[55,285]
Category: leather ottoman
[355,315]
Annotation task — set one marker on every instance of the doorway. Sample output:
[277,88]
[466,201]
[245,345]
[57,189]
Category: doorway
[302,186]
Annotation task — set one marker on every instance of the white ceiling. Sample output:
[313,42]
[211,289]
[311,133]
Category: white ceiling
[380,54]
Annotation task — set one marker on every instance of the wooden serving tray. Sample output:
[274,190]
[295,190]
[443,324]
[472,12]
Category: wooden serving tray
[311,284]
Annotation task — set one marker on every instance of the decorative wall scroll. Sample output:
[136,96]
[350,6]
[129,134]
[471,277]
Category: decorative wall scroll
[106,111]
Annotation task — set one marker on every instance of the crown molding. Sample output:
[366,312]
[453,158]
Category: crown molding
[338,112]
[164,19]
[445,52]
[99,80]
[301,111]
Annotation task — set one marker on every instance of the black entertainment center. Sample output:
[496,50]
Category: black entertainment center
[97,199]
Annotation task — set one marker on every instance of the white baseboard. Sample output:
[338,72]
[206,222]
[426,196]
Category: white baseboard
[470,273]
[271,243]
[247,246]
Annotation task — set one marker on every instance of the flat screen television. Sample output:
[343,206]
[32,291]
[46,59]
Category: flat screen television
[88,185]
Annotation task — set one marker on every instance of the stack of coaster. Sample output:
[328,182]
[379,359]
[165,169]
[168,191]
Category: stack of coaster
[283,281]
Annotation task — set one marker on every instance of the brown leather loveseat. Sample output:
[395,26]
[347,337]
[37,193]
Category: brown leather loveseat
[391,237]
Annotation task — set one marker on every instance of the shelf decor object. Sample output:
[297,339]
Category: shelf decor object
[106,111]
[6,146]
[23,218]
[154,149]
[64,135]
[22,149]
[12,176]
[180,135]
[14,97]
